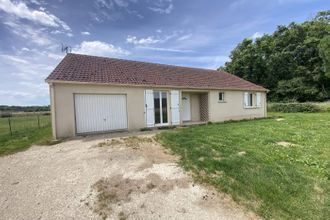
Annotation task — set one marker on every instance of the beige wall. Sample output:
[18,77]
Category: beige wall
[64,105]
[63,115]
[233,108]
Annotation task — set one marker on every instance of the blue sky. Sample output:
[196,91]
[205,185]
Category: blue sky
[197,33]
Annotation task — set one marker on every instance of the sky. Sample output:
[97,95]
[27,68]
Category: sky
[195,33]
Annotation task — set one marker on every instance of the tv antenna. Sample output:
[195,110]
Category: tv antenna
[66,48]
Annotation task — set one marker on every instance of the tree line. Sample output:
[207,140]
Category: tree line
[6,108]
[293,62]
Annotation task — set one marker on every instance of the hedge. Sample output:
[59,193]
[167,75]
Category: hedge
[293,107]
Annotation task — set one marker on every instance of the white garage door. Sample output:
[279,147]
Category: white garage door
[97,113]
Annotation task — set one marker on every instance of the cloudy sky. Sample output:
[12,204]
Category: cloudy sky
[198,33]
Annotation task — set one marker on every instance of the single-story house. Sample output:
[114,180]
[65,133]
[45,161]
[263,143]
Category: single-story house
[92,94]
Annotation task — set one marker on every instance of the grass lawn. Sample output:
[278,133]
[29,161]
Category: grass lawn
[25,132]
[277,167]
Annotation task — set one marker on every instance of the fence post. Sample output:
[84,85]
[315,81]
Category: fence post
[11,133]
[38,121]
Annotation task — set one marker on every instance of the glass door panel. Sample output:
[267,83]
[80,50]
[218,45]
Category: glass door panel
[160,106]
[157,107]
[164,107]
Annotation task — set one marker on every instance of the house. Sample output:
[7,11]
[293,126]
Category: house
[92,94]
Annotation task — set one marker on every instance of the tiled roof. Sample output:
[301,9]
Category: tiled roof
[92,69]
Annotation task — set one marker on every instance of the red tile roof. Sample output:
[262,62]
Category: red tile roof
[92,69]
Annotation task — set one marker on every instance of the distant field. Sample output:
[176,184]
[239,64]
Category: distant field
[25,131]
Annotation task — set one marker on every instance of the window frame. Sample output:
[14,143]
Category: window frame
[223,97]
[251,99]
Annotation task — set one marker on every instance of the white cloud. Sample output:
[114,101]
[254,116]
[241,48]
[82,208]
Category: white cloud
[26,70]
[99,48]
[156,40]
[208,62]
[110,4]
[55,56]
[165,49]
[35,35]
[20,10]
[185,37]
[142,41]
[35,2]
[85,33]
[14,59]
[166,10]
[256,35]
[15,94]
[25,49]
[113,10]
[121,3]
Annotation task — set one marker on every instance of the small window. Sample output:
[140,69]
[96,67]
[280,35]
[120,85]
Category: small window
[250,100]
[221,96]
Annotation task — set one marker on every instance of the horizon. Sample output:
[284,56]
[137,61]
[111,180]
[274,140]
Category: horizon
[169,32]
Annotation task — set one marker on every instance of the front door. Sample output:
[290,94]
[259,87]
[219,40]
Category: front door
[160,108]
[186,115]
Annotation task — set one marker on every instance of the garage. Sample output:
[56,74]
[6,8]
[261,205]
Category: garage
[100,112]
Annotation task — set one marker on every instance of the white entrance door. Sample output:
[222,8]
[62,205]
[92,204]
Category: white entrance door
[97,113]
[186,115]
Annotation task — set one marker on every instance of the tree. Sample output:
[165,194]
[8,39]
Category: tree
[293,62]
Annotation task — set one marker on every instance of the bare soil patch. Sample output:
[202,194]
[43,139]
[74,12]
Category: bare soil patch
[285,144]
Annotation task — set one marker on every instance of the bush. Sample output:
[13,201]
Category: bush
[293,107]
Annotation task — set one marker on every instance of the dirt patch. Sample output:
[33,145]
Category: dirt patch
[285,144]
[241,153]
[109,192]
[111,142]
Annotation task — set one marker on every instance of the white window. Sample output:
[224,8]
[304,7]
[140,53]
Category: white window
[248,99]
[221,96]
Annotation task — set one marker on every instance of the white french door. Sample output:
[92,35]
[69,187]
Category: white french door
[160,107]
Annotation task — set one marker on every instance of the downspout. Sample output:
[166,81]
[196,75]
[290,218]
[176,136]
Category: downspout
[52,109]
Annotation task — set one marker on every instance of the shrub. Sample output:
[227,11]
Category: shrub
[293,107]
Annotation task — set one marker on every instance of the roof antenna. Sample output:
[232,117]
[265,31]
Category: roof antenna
[66,48]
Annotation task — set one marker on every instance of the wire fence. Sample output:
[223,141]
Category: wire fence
[11,124]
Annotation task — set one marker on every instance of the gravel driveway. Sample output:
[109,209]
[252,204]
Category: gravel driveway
[103,178]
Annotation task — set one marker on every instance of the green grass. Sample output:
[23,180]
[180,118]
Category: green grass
[25,132]
[245,160]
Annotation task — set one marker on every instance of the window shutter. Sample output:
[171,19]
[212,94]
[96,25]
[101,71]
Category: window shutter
[149,105]
[258,99]
[246,99]
[175,107]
